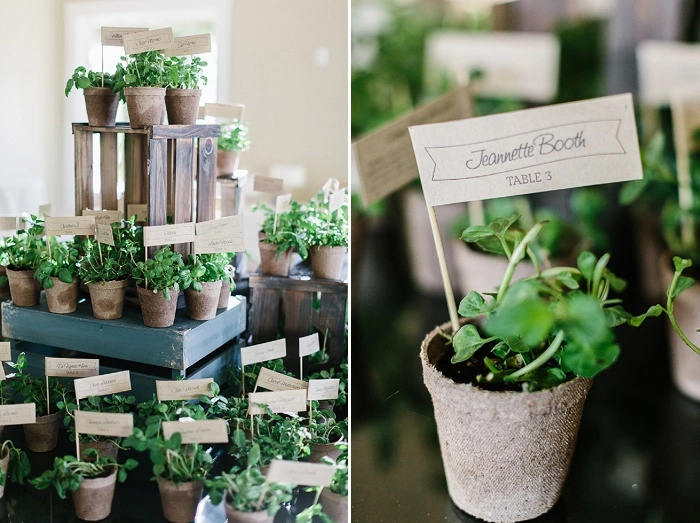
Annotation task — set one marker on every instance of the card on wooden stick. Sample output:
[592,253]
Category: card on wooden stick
[103,384]
[188,45]
[270,350]
[113,36]
[56,226]
[104,233]
[183,389]
[10,223]
[275,381]
[221,228]
[5,351]
[664,66]
[223,245]
[104,423]
[106,217]
[154,40]
[18,414]
[198,431]
[309,345]
[277,401]
[323,389]
[167,234]
[300,473]
[268,184]
[336,200]
[71,367]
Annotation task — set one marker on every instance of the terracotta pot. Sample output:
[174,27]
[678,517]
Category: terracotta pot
[272,265]
[534,435]
[202,305]
[180,501]
[146,105]
[4,463]
[236,516]
[101,104]
[224,294]
[42,436]
[62,298]
[105,447]
[319,450]
[334,505]
[226,162]
[182,106]
[327,262]
[24,288]
[155,309]
[93,498]
[107,299]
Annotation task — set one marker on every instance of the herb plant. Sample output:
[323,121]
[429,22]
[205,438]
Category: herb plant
[322,228]
[112,403]
[181,74]
[18,467]
[84,79]
[161,272]
[24,250]
[60,261]
[141,70]
[204,268]
[32,389]
[286,231]
[323,427]
[103,262]
[235,136]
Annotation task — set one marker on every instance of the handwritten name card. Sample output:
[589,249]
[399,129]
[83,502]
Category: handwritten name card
[183,389]
[8,223]
[45,210]
[56,226]
[221,228]
[336,200]
[5,351]
[167,234]
[155,40]
[197,431]
[19,414]
[283,203]
[113,36]
[663,66]
[323,389]
[186,45]
[535,150]
[101,385]
[268,184]
[300,473]
[104,233]
[278,401]
[271,380]
[106,217]
[226,112]
[211,245]
[140,210]
[309,345]
[263,352]
[71,367]
[104,423]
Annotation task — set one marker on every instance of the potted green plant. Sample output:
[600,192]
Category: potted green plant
[21,255]
[141,79]
[101,100]
[233,140]
[227,274]
[280,235]
[183,91]
[325,433]
[158,285]
[326,235]
[14,465]
[201,282]
[248,497]
[58,275]
[334,499]
[91,480]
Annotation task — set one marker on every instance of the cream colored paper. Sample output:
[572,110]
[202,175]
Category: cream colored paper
[663,66]
[283,203]
[101,385]
[227,112]
[326,389]
[55,226]
[535,150]
[113,36]
[211,245]
[104,233]
[270,350]
[155,40]
[10,223]
[45,210]
[18,414]
[167,234]
[104,423]
[5,351]
[277,401]
[268,184]
[3,377]
[275,381]
[71,367]
[188,45]
[140,210]
[183,389]
[197,431]
[384,159]
[222,228]
[336,200]
[106,217]
[300,473]
[309,345]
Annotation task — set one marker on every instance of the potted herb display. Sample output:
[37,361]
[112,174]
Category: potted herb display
[14,465]
[91,480]
[233,140]
[182,94]
[326,234]
[21,255]
[334,498]
[101,100]
[279,237]
[158,285]
[325,433]
[201,282]
[227,273]
[141,79]
[57,273]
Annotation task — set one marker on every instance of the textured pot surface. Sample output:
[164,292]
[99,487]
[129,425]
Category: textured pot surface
[145,105]
[226,162]
[182,106]
[155,309]
[506,454]
[270,264]
[327,262]
[62,298]
[24,288]
[318,450]
[224,294]
[42,436]
[101,105]
[202,305]
[335,505]
[180,501]
[107,299]
[236,516]
[93,499]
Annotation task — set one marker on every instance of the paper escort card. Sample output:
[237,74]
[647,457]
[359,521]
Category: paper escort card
[106,217]
[45,210]
[223,111]
[384,159]
[323,389]
[104,423]
[18,414]
[3,377]
[663,66]
[167,234]
[101,385]
[268,184]
[187,45]
[113,36]
[197,431]
[104,233]
[222,228]
[56,226]
[278,401]
[300,473]
[275,381]
[336,200]
[183,389]
[10,223]
[71,367]
[309,345]
[155,40]
[140,210]
[263,352]
[5,351]
[283,203]
[535,150]
[211,245]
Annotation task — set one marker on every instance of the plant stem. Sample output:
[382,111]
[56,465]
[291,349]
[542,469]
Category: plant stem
[516,258]
[672,317]
[540,360]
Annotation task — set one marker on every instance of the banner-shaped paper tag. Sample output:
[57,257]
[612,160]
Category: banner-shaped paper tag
[71,367]
[210,245]
[283,203]
[197,431]
[535,150]
[323,389]
[336,200]
[155,40]
[309,345]
[113,36]
[183,389]
[300,473]
[106,217]
[195,44]
[278,401]
[104,423]
[384,159]
[167,234]
[10,223]
[104,233]
[268,184]
[101,385]
[5,351]
[222,228]
[226,112]
[56,226]
[18,414]
[140,210]
[271,380]
[264,352]
[663,66]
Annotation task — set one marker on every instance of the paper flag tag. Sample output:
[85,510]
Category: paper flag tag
[278,401]
[70,225]
[323,389]
[221,228]
[18,414]
[10,223]
[71,367]
[283,203]
[101,385]
[183,389]
[104,234]
[167,234]
[336,200]
[106,217]
[197,431]
[5,351]
[384,159]
[522,152]
[309,345]
[140,210]
[663,66]
[113,36]
[104,423]
[210,245]
[331,185]
[300,473]
[275,381]
[268,184]
[45,210]
[155,40]
[264,352]
[194,44]
[226,112]
[3,377]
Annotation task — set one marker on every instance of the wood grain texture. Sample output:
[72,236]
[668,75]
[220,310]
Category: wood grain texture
[186,131]
[108,170]
[206,180]
[183,174]
[84,196]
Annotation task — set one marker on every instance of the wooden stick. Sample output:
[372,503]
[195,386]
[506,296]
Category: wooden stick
[48,406]
[301,368]
[679,113]
[449,295]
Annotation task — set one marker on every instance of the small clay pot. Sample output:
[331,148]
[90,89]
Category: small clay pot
[182,106]
[236,516]
[145,105]
[270,263]
[93,498]
[101,105]
[334,505]
[42,436]
[24,288]
[224,294]
[107,299]
[156,311]
[62,298]
[327,262]
[203,305]
[180,501]
[226,162]
[319,450]
[105,447]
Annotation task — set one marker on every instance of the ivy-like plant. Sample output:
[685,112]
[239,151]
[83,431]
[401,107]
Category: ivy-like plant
[235,136]
[24,250]
[161,272]
[84,79]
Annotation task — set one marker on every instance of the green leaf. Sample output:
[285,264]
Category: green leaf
[477,233]
[466,342]
[653,311]
[680,264]
[500,225]
[615,316]
[567,280]
[501,350]
[585,321]
[684,283]
[586,263]
[587,360]
[473,304]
